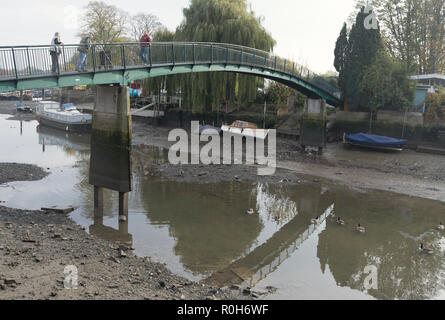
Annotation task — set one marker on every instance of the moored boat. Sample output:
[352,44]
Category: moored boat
[247,129]
[21,107]
[64,117]
[374,141]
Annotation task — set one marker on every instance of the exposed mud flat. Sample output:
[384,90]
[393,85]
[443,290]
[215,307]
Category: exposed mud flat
[408,172]
[37,246]
[20,172]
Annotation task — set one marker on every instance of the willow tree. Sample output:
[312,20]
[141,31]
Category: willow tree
[172,83]
[225,21]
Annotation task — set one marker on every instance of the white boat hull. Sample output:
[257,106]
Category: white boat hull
[71,119]
[247,132]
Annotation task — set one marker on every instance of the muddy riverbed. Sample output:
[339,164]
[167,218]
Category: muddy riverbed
[408,172]
[193,219]
[37,246]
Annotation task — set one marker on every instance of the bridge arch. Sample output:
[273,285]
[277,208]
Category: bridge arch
[29,67]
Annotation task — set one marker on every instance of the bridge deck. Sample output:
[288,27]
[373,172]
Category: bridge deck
[31,67]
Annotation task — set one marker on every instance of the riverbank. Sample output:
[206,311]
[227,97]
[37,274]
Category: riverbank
[36,247]
[408,172]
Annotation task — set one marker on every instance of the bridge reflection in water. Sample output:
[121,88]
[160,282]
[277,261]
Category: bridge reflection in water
[110,168]
[266,258]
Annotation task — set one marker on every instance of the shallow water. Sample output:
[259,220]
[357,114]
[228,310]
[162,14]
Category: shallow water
[198,230]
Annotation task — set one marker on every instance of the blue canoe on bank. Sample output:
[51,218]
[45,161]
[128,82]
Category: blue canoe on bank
[374,141]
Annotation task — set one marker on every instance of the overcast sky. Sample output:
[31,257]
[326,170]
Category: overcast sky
[304,30]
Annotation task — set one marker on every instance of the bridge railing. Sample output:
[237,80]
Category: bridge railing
[36,61]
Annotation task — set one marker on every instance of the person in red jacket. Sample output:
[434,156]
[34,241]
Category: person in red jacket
[145,43]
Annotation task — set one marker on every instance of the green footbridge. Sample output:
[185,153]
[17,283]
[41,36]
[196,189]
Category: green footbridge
[32,67]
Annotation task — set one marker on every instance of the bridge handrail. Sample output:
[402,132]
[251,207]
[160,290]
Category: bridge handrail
[25,61]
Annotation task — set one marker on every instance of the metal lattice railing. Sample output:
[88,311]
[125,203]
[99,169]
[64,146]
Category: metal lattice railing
[35,61]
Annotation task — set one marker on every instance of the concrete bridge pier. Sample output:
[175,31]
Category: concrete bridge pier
[123,206]
[313,125]
[98,197]
[98,228]
[111,116]
[110,163]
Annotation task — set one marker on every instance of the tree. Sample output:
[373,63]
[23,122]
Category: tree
[332,78]
[386,85]
[278,93]
[171,83]
[145,21]
[362,48]
[341,47]
[226,21]
[432,104]
[107,22]
[414,31]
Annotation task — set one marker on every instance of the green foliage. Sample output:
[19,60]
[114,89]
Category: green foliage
[414,31]
[442,97]
[432,103]
[225,21]
[164,35]
[277,93]
[341,56]
[363,45]
[170,84]
[369,77]
[385,84]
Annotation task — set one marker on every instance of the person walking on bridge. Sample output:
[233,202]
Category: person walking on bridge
[85,45]
[145,44]
[55,51]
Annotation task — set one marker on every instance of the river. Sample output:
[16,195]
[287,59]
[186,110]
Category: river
[202,231]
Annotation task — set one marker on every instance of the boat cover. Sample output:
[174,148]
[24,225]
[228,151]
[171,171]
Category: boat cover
[371,140]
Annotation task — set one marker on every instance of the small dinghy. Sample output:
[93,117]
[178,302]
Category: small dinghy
[374,141]
[246,129]
[21,107]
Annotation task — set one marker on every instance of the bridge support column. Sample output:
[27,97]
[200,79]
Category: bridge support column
[111,117]
[98,197]
[110,160]
[123,206]
[313,125]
